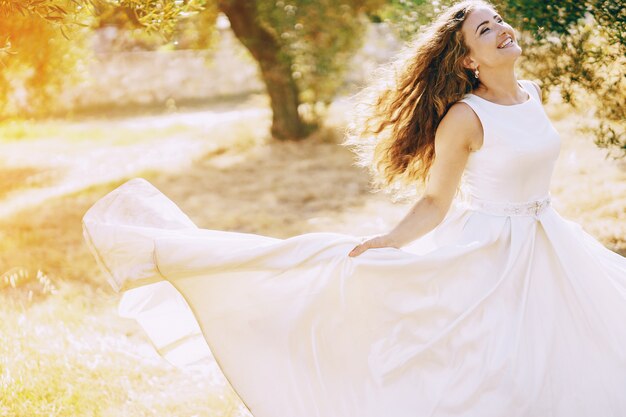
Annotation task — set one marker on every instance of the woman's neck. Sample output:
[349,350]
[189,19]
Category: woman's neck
[500,87]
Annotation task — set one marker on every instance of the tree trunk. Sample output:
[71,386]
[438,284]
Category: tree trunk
[275,67]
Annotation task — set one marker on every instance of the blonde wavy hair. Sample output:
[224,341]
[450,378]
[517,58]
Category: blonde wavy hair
[393,126]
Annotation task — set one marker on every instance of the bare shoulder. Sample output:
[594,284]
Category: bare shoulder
[460,127]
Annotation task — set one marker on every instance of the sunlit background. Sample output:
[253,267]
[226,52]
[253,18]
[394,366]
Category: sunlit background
[234,109]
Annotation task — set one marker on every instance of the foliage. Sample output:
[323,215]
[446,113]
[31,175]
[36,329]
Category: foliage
[50,10]
[319,37]
[160,15]
[188,24]
[44,44]
[579,48]
[188,28]
[196,30]
[37,60]
[589,73]
[544,18]
[407,17]
[575,47]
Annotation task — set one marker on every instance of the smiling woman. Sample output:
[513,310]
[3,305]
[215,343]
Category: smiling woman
[489,304]
[493,44]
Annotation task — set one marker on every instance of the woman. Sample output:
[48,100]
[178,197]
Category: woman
[489,306]
[469,49]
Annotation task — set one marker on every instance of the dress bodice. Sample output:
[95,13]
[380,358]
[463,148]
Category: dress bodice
[520,147]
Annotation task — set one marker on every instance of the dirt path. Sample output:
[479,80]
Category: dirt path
[219,166]
[56,166]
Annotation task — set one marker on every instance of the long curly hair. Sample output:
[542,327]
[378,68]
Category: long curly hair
[393,127]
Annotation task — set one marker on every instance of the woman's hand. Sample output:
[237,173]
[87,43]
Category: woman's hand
[382,241]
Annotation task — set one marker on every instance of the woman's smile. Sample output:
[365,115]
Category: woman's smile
[506,43]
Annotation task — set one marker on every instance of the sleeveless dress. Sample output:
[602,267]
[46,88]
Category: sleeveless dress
[504,309]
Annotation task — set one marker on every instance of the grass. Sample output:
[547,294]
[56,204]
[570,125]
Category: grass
[67,352]
[64,350]
[17,178]
[69,356]
[15,131]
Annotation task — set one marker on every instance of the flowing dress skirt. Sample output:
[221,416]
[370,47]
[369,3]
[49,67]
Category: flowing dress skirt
[487,315]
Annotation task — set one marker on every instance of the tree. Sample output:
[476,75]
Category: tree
[579,47]
[36,58]
[575,46]
[301,46]
[275,65]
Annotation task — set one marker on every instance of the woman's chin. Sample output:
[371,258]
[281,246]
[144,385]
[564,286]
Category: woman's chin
[511,53]
[511,49]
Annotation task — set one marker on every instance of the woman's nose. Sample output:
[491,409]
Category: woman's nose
[501,29]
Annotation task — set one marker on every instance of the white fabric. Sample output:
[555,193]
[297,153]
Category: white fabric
[496,312]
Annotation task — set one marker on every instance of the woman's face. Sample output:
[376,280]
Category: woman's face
[491,41]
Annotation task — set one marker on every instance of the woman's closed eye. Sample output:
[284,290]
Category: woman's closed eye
[485,29]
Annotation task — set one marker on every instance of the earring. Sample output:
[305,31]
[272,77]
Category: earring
[476,73]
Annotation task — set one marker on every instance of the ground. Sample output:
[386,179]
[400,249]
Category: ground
[65,352]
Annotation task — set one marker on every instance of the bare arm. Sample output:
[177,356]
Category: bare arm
[458,134]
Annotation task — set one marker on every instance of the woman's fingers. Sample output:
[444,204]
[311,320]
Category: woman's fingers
[358,249]
[382,241]
[368,244]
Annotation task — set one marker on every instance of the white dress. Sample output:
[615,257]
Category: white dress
[505,309]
